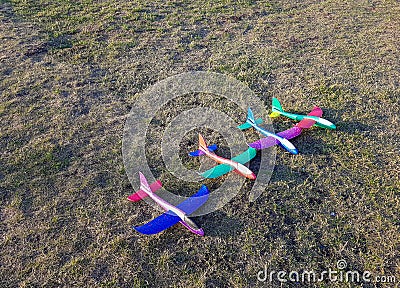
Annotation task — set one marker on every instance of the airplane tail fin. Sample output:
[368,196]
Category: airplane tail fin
[276,108]
[202,144]
[143,183]
[249,121]
[250,116]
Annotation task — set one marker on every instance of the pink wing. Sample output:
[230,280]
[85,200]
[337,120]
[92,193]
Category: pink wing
[316,112]
[308,123]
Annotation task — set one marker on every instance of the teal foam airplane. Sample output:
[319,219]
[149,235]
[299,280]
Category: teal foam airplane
[277,110]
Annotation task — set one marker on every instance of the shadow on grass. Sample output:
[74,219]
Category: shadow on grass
[283,173]
[311,144]
[218,224]
[350,127]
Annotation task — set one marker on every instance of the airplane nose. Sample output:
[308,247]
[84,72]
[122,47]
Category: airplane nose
[252,176]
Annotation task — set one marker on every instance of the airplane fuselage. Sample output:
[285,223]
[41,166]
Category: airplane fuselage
[283,141]
[239,168]
[321,122]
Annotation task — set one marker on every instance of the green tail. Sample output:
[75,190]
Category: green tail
[276,105]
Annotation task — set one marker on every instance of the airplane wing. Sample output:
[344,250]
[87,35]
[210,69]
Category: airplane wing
[308,123]
[245,157]
[195,201]
[270,141]
[217,171]
[158,224]
[139,195]
[316,112]
[222,169]
[169,218]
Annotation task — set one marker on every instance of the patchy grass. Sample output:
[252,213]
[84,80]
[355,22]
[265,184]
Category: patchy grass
[70,72]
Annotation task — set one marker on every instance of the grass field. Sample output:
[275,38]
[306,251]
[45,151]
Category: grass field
[70,72]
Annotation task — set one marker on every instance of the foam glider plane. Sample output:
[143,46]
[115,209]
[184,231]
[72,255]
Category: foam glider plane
[173,214]
[289,133]
[226,165]
[277,110]
[251,122]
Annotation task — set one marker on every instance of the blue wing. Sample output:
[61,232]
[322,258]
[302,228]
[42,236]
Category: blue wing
[195,201]
[159,224]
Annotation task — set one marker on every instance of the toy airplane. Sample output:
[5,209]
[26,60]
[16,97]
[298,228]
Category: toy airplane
[235,164]
[173,214]
[289,133]
[251,122]
[277,110]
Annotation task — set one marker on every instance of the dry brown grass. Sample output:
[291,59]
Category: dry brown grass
[70,71]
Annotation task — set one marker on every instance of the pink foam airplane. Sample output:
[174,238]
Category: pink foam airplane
[173,214]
